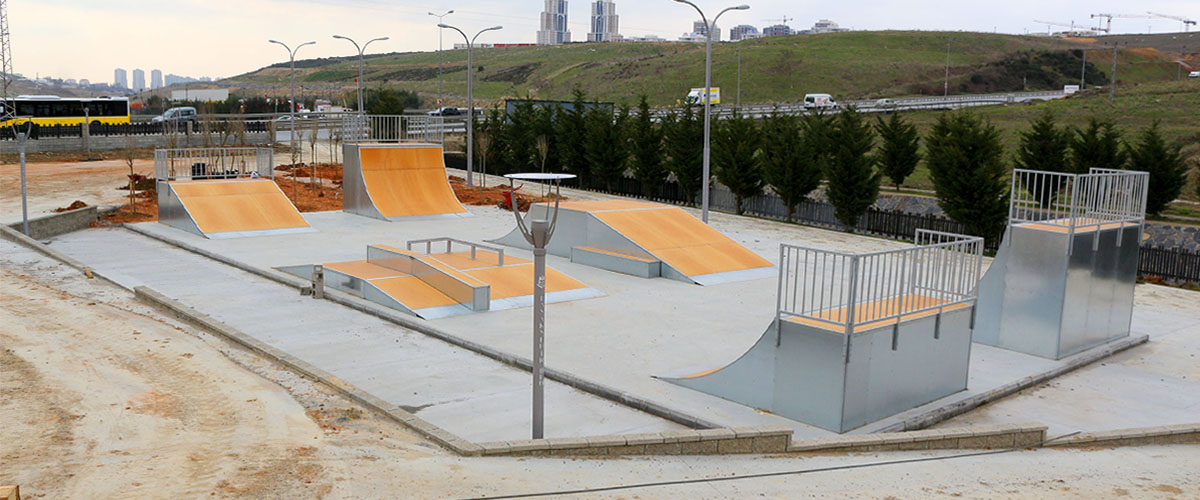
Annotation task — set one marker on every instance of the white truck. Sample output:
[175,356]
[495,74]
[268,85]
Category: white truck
[814,101]
[696,96]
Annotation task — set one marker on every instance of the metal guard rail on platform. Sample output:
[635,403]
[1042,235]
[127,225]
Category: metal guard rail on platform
[449,247]
[359,128]
[213,163]
[842,290]
[1079,201]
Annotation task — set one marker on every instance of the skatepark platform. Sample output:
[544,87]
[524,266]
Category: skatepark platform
[647,240]
[436,285]
[396,181]
[228,208]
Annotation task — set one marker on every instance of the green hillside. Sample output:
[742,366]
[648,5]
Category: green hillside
[778,69]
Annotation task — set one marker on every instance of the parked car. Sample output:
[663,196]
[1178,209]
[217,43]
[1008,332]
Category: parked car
[1194,74]
[812,101]
[886,103]
[177,115]
[446,111]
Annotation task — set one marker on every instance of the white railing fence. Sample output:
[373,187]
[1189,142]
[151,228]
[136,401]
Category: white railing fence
[392,128]
[213,163]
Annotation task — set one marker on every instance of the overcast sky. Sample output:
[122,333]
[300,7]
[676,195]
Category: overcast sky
[219,38]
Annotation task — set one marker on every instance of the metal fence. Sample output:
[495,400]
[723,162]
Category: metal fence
[1170,264]
[213,163]
[474,247]
[841,290]
[231,127]
[392,128]
[1078,201]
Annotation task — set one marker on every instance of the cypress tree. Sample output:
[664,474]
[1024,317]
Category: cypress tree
[605,149]
[899,152]
[1097,146]
[789,163]
[684,133]
[853,181]
[735,158]
[1166,165]
[569,127]
[649,163]
[1045,147]
[965,160]
[521,138]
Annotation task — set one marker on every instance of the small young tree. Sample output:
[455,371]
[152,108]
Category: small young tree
[1045,147]
[605,148]
[899,152]
[1166,165]
[789,163]
[647,144]
[312,146]
[129,155]
[483,140]
[1097,146]
[735,158]
[966,162]
[684,134]
[853,182]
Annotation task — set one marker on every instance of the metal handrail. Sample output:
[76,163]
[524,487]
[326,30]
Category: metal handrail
[213,163]
[449,247]
[1078,201]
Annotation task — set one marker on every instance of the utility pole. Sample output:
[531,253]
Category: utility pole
[359,84]
[1112,86]
[946,86]
[739,81]
[470,100]
[292,113]
[1083,71]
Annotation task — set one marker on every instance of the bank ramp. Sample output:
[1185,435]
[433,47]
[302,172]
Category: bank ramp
[395,181]
[445,277]
[648,240]
[228,208]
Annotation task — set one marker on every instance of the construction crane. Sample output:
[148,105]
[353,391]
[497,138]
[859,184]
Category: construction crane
[6,70]
[783,20]
[1109,17]
[1186,22]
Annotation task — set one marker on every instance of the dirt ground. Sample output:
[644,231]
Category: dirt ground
[52,185]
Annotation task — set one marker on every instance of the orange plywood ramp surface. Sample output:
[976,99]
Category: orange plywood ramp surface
[517,280]
[408,181]
[230,206]
[681,241]
[866,315]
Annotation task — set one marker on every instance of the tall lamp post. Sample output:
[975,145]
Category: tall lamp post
[292,108]
[538,234]
[441,101]
[359,86]
[707,97]
[470,98]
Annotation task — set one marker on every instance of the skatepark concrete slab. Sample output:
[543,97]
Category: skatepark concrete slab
[647,327]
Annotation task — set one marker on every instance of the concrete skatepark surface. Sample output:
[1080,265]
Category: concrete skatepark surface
[642,327]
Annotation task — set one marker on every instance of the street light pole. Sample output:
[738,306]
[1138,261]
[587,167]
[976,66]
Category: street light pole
[946,85]
[441,100]
[470,99]
[359,85]
[708,29]
[292,110]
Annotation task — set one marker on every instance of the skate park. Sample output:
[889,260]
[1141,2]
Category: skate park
[612,348]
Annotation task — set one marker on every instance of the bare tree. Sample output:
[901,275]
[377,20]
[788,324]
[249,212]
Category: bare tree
[312,145]
[129,153]
[483,140]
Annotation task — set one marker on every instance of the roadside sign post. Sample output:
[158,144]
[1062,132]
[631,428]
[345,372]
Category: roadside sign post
[538,234]
[24,204]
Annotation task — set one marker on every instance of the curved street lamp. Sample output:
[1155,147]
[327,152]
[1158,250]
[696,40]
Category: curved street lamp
[292,105]
[441,101]
[359,85]
[470,97]
[708,25]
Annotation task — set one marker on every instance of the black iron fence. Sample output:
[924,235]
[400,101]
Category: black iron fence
[1170,264]
[123,129]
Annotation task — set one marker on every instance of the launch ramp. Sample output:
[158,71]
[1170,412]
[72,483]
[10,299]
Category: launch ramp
[394,181]
[647,240]
[1063,279]
[223,193]
[859,337]
[447,277]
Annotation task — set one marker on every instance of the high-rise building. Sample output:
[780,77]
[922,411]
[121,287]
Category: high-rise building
[743,32]
[699,29]
[604,22]
[827,26]
[155,78]
[554,24]
[139,80]
[119,79]
[777,30]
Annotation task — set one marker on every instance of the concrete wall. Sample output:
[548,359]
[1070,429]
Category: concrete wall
[109,143]
[49,226]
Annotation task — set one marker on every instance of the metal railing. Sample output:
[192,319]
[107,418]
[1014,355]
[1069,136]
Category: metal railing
[213,163]
[842,290]
[1079,201]
[392,128]
[449,247]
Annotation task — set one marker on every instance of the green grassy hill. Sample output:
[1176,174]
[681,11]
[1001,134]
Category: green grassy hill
[778,69]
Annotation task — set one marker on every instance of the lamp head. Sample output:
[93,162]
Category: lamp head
[443,25]
[341,37]
[742,7]
[495,28]
[273,41]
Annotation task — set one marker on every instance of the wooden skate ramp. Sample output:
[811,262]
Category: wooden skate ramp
[237,206]
[408,181]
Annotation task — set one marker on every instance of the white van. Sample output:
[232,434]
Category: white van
[1194,74]
[696,96]
[819,101]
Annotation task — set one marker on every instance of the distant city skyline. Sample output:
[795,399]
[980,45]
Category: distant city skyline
[41,46]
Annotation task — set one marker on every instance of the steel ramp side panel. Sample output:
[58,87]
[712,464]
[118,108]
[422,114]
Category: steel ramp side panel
[238,206]
[575,228]
[750,379]
[355,197]
[172,212]
[407,181]
[682,241]
[990,305]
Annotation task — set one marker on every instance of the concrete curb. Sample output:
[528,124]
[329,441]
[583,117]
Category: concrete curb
[978,437]
[430,431]
[19,238]
[1142,436]
[957,408]
[48,226]
[421,326]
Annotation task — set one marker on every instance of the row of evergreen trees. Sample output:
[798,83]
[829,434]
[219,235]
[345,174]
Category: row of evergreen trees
[792,155]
